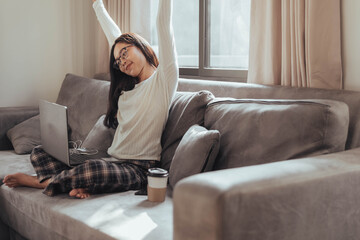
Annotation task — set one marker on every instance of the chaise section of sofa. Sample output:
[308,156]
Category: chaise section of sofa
[310,198]
[34,215]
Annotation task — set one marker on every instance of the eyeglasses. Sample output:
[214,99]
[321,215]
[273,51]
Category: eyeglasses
[122,56]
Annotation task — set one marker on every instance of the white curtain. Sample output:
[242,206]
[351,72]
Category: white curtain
[130,16]
[296,43]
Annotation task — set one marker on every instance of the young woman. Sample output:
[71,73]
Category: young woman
[140,94]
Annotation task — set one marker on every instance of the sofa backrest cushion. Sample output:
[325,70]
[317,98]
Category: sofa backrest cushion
[86,100]
[256,91]
[262,131]
[186,110]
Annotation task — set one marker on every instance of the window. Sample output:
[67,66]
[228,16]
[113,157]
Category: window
[212,37]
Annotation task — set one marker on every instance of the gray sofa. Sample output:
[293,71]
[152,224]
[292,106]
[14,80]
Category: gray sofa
[287,167]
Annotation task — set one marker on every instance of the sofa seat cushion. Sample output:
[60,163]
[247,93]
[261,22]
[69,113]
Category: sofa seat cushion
[13,163]
[102,216]
[261,131]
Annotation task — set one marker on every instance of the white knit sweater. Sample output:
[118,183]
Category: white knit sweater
[143,111]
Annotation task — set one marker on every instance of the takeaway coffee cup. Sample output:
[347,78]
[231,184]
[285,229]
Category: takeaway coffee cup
[157,183]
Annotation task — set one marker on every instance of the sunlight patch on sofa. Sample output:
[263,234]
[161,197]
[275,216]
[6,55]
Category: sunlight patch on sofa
[136,227]
[128,226]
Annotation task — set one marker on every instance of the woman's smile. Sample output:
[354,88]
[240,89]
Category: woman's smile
[128,67]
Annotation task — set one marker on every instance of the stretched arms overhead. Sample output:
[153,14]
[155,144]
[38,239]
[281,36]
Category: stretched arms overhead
[168,67]
[111,30]
[167,51]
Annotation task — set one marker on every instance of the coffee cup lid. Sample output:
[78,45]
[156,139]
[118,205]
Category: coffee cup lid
[157,172]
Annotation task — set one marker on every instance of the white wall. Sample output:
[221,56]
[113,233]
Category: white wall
[351,44]
[41,41]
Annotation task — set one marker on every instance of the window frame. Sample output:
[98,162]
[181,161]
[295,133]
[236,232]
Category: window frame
[204,72]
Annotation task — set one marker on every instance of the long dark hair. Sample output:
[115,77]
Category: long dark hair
[120,81]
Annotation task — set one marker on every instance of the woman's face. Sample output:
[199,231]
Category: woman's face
[132,60]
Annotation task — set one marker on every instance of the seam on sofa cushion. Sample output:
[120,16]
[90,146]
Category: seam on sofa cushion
[267,101]
[326,126]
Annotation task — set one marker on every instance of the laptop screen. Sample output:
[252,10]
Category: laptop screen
[54,131]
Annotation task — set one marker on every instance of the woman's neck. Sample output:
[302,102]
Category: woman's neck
[146,72]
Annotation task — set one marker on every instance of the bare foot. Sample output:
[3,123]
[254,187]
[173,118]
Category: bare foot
[79,193]
[24,180]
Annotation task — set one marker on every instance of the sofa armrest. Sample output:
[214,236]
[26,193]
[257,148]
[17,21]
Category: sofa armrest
[11,116]
[309,198]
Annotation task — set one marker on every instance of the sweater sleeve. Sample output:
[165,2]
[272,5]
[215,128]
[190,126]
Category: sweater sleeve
[168,66]
[111,30]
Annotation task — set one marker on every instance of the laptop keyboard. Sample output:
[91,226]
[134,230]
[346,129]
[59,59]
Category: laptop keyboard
[77,158]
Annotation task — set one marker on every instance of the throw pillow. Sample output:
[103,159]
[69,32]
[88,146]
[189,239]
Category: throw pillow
[187,109]
[196,153]
[100,137]
[26,135]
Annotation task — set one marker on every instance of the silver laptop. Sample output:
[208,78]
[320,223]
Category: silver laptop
[54,136]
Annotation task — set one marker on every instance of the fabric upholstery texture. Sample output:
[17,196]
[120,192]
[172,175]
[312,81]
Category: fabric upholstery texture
[308,198]
[262,131]
[103,216]
[78,94]
[10,117]
[86,100]
[187,109]
[26,135]
[296,199]
[100,137]
[4,231]
[196,153]
[257,91]
[13,163]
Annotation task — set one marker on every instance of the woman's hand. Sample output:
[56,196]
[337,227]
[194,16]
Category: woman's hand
[94,1]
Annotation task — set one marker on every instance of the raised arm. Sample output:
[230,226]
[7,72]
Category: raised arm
[167,51]
[111,30]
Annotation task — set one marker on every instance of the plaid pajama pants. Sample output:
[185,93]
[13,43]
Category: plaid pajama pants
[95,175]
